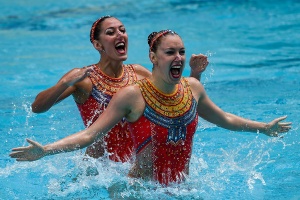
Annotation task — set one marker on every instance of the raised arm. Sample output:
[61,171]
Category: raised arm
[120,106]
[198,64]
[71,83]
[212,113]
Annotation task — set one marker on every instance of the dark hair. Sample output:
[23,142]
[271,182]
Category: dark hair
[154,38]
[96,28]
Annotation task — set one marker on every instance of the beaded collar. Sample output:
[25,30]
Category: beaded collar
[109,85]
[173,112]
[173,105]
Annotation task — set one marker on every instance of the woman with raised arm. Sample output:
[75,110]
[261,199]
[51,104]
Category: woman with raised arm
[92,87]
[162,113]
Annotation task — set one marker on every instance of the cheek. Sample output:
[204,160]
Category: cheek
[162,63]
[126,37]
[108,42]
[164,66]
[165,60]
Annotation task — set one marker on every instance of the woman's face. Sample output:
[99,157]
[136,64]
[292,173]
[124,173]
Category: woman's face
[170,58]
[114,39]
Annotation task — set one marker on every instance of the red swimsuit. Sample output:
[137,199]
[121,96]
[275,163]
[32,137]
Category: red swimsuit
[118,142]
[168,123]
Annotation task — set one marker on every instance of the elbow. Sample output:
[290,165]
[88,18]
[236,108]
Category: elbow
[34,109]
[37,109]
[86,140]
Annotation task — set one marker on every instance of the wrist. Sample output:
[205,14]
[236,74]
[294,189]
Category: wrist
[48,150]
[266,128]
[195,74]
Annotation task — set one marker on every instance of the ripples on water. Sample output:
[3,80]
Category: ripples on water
[254,72]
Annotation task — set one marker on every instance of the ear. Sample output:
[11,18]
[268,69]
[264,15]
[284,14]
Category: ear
[152,57]
[97,45]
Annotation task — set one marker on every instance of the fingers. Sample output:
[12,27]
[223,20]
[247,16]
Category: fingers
[16,154]
[283,126]
[198,55]
[280,119]
[89,68]
[22,156]
[199,62]
[277,127]
[20,149]
[22,159]
[283,129]
[285,123]
[20,153]
[33,143]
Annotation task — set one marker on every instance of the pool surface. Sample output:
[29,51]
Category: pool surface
[253,48]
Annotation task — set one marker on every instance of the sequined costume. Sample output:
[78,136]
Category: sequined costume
[170,121]
[118,142]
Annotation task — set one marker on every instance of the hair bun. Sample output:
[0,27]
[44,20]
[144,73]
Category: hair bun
[150,37]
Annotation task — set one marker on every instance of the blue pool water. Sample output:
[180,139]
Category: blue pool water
[253,48]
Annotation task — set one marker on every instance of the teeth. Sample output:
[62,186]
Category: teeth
[177,67]
[121,44]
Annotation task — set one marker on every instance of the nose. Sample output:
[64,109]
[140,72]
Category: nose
[178,57]
[119,33]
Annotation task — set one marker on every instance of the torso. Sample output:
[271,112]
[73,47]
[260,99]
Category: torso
[118,142]
[163,134]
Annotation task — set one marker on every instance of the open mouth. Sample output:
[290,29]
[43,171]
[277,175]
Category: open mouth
[176,71]
[120,47]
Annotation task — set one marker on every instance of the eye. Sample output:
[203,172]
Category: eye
[182,52]
[109,32]
[123,30]
[169,52]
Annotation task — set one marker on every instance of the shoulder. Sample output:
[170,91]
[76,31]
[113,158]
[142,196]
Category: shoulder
[130,100]
[193,82]
[130,92]
[141,71]
[83,84]
[196,87]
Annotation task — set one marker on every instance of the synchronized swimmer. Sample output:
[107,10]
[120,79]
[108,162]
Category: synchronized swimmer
[162,113]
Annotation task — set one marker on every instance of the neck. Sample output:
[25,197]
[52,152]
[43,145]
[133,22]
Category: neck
[162,86]
[111,68]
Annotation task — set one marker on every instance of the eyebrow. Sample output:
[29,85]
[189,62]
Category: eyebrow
[182,48]
[112,27]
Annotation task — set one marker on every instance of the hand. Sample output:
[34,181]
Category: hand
[275,127]
[198,63]
[76,75]
[30,153]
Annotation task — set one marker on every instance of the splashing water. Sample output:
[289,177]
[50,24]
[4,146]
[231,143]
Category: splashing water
[253,72]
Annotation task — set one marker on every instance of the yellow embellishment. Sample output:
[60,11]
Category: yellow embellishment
[109,85]
[173,105]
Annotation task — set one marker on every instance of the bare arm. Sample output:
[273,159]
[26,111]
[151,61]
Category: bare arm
[66,86]
[212,113]
[141,72]
[120,106]
[198,64]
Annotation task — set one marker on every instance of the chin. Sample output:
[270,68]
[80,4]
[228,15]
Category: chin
[123,58]
[175,80]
